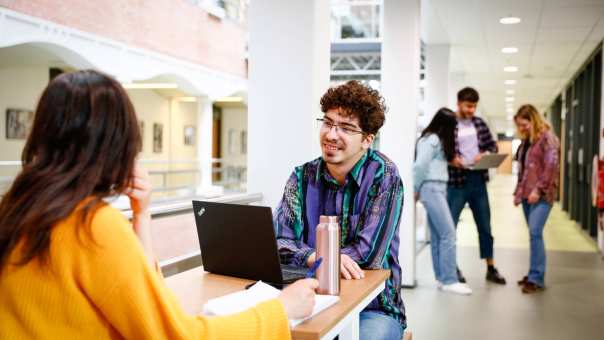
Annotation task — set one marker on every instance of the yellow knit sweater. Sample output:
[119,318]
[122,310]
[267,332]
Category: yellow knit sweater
[103,288]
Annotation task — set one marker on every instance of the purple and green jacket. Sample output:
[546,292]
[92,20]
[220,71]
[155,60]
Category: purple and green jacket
[368,206]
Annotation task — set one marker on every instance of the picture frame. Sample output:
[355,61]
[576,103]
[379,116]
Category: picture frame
[189,135]
[158,131]
[18,123]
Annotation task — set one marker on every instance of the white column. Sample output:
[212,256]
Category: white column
[289,71]
[400,87]
[457,81]
[437,79]
[204,144]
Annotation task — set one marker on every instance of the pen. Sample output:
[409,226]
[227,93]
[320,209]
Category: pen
[314,267]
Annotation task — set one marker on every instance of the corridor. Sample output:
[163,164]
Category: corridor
[571,307]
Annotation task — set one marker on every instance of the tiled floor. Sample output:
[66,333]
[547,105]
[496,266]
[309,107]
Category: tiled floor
[509,226]
[572,306]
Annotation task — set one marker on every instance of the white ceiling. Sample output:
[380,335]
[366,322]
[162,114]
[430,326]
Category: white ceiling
[554,38]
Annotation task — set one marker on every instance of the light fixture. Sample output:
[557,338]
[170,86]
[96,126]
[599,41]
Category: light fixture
[510,91]
[510,20]
[229,99]
[509,50]
[187,99]
[510,82]
[154,86]
[510,69]
[509,99]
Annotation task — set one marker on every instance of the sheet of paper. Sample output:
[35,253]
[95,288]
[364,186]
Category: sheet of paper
[259,292]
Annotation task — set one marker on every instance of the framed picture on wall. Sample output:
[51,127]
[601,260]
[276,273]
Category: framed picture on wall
[158,131]
[18,123]
[243,142]
[141,129]
[189,133]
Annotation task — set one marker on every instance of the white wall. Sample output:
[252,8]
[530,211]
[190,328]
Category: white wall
[20,88]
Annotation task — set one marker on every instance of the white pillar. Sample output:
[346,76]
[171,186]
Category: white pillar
[205,115]
[400,87]
[437,79]
[289,71]
[457,81]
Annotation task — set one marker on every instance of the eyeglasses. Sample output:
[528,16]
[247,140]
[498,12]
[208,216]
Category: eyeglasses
[326,125]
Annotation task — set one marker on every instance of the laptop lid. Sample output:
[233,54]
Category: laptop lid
[489,161]
[238,240]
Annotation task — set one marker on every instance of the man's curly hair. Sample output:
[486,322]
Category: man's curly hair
[359,101]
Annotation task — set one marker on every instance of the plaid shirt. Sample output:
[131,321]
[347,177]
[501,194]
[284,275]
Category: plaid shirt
[457,176]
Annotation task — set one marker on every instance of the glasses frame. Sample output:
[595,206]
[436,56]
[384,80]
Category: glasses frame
[345,130]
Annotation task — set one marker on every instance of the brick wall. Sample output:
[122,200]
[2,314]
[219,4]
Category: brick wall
[172,27]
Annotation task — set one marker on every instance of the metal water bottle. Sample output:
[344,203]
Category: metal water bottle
[328,248]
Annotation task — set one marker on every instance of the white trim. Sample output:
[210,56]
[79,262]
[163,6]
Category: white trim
[127,63]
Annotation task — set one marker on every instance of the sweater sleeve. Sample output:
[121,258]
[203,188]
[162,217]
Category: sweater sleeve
[425,153]
[134,299]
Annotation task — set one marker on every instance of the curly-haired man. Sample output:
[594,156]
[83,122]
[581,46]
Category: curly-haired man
[363,188]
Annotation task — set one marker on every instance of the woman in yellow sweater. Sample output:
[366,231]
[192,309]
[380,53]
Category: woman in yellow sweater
[72,267]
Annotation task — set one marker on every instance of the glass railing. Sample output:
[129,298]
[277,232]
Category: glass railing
[171,179]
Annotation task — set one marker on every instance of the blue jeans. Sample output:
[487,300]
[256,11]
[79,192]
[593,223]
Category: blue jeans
[433,196]
[474,192]
[378,326]
[536,215]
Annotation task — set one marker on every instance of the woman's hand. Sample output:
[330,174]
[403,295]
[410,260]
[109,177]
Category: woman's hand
[533,197]
[139,191]
[299,298]
[140,197]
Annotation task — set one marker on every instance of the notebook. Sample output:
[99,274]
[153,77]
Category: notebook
[259,292]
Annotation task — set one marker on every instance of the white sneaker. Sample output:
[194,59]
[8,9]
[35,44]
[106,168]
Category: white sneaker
[457,288]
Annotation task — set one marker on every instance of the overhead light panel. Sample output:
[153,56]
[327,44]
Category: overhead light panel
[509,50]
[510,20]
[510,82]
[510,69]
[230,99]
[509,99]
[510,91]
[154,86]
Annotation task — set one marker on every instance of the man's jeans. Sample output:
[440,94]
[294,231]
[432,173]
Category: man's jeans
[474,192]
[433,196]
[536,215]
[378,326]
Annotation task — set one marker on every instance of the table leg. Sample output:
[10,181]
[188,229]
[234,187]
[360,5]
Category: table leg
[351,330]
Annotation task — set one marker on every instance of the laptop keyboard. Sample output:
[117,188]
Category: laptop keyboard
[293,273]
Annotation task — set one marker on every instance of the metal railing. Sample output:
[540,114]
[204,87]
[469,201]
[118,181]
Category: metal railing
[193,259]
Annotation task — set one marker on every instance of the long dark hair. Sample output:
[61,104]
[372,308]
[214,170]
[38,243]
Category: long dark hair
[443,125]
[82,148]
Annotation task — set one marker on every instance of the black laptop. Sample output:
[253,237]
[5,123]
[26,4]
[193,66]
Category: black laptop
[239,240]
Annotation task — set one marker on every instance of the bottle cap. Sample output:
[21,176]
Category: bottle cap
[328,219]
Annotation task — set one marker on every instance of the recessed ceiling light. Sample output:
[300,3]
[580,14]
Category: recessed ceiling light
[510,69]
[510,91]
[510,82]
[509,99]
[510,20]
[509,50]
